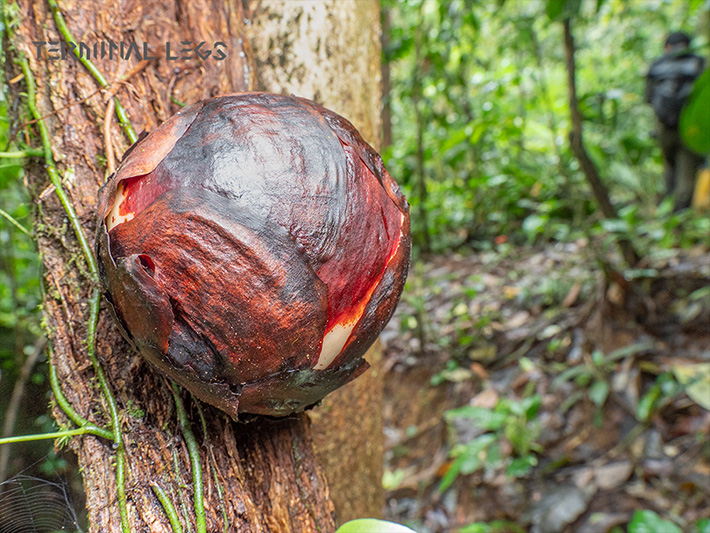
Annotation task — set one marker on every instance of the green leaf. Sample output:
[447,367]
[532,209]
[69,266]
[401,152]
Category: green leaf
[554,8]
[534,224]
[695,378]
[495,526]
[703,292]
[521,466]
[615,225]
[703,525]
[522,435]
[478,131]
[695,117]
[570,374]
[391,480]
[647,403]
[485,418]
[598,392]
[649,522]
[531,406]
[451,474]
[470,458]
[370,525]
[562,9]
[474,453]
[477,527]
[454,137]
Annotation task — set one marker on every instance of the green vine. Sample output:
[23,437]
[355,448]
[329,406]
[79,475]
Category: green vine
[29,152]
[194,453]
[15,223]
[178,476]
[213,466]
[52,171]
[94,301]
[168,507]
[75,417]
[93,430]
[86,427]
[121,114]
[177,102]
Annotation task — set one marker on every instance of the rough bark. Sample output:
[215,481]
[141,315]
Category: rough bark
[349,439]
[330,51]
[266,470]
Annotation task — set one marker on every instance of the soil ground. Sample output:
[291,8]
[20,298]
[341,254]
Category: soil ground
[619,428]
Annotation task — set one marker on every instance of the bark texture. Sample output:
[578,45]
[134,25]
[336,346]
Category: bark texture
[258,476]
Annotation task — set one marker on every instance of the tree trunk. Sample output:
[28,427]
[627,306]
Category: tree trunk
[257,476]
[329,51]
[386,137]
[420,123]
[600,191]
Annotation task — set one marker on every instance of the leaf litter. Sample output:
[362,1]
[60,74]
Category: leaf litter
[620,367]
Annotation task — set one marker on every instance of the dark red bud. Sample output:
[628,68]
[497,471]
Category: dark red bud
[253,247]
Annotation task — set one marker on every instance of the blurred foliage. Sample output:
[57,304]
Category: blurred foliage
[368,525]
[496,526]
[695,117]
[20,299]
[650,522]
[506,438]
[479,89]
[594,375]
[477,97]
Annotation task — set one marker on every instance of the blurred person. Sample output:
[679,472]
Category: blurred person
[669,82]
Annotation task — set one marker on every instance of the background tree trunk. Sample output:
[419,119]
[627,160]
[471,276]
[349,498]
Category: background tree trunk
[330,51]
[576,139]
[259,476]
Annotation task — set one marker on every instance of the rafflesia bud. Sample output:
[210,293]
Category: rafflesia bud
[253,247]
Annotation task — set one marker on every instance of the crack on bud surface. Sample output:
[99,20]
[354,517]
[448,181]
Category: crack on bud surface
[148,265]
[338,336]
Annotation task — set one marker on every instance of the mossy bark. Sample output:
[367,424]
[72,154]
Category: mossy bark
[258,476]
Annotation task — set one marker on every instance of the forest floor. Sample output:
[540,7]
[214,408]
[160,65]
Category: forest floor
[580,397]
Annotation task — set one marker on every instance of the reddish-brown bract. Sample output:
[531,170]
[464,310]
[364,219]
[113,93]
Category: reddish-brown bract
[253,247]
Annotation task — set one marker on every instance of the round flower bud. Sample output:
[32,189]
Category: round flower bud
[253,247]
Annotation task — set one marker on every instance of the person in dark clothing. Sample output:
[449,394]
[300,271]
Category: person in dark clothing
[669,82]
